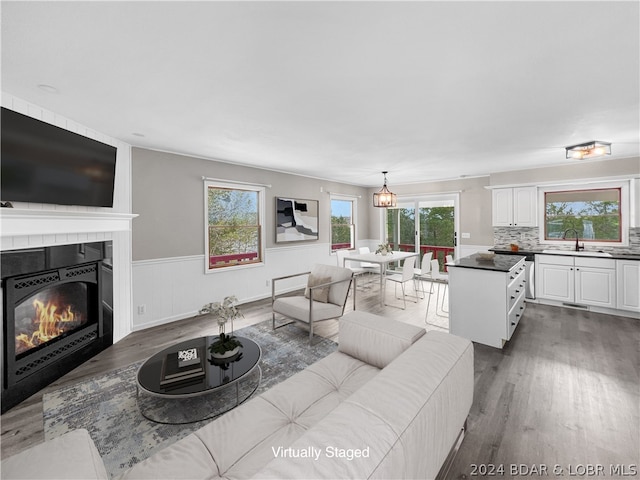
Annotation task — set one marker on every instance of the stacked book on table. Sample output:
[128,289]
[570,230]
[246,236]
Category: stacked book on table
[182,366]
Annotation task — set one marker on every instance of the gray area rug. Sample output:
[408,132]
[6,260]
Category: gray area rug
[106,405]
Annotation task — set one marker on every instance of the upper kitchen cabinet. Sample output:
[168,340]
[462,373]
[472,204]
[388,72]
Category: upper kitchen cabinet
[514,207]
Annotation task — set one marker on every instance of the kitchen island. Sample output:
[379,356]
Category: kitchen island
[486,297]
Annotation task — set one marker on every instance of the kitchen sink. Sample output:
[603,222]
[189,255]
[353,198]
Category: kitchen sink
[581,253]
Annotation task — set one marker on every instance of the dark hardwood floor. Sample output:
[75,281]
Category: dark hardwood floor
[564,393]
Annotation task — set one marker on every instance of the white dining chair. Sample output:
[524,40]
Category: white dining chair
[424,272]
[370,267]
[407,275]
[358,271]
[441,279]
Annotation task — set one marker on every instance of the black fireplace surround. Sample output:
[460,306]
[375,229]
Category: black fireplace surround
[57,311]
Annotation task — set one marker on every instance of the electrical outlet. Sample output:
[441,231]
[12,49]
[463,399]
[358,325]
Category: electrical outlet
[142,309]
[268,283]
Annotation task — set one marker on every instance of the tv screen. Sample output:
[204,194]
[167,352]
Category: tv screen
[42,163]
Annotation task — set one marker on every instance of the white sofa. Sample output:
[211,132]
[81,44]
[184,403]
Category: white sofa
[390,403]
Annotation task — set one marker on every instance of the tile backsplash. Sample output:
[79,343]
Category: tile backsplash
[527,238]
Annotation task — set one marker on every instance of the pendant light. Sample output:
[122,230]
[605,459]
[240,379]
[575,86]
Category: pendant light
[384,198]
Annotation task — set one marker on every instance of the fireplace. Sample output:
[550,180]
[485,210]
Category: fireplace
[57,313]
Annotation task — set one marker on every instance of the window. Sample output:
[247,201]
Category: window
[234,229]
[592,214]
[342,223]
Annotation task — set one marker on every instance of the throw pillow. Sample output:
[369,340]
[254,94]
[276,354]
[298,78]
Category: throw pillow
[319,294]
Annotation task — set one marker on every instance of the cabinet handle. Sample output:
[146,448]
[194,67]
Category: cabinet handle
[517,291]
[512,297]
[521,308]
[513,323]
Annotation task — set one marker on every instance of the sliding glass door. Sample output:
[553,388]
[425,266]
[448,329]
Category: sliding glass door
[401,226]
[424,224]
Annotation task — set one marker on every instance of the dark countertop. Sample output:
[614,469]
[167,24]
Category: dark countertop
[539,251]
[499,263]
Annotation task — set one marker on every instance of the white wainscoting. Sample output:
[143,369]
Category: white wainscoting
[83,224]
[170,289]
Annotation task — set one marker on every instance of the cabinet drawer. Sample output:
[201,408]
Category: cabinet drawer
[515,291]
[595,262]
[516,276]
[555,259]
[514,316]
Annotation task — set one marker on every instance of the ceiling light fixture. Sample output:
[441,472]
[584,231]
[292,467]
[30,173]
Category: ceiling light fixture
[47,88]
[384,198]
[591,149]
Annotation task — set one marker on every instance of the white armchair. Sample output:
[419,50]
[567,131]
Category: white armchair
[325,296]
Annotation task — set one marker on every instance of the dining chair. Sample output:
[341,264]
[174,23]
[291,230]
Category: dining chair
[407,275]
[371,267]
[357,270]
[424,272]
[442,279]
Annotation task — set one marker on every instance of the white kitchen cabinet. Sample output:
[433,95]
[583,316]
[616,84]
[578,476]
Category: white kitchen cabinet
[514,207]
[486,301]
[595,285]
[555,281]
[628,283]
[576,280]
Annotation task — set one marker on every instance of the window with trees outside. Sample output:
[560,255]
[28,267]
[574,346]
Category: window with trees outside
[342,223]
[593,215]
[234,225]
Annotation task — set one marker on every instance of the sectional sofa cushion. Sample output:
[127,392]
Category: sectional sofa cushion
[375,340]
[72,456]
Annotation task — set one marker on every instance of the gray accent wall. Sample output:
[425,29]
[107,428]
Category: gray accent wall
[168,196]
[475,206]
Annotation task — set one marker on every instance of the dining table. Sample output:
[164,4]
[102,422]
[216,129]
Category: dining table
[379,259]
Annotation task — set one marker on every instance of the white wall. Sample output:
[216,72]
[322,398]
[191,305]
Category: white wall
[79,228]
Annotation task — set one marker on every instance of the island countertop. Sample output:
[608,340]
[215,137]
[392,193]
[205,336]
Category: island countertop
[499,263]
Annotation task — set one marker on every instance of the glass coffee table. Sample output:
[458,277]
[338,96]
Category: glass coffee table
[198,390]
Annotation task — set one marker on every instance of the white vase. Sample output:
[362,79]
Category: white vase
[227,354]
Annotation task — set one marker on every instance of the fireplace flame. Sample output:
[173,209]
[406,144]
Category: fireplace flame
[51,320]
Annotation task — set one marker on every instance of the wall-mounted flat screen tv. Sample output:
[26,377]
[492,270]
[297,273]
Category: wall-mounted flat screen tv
[42,163]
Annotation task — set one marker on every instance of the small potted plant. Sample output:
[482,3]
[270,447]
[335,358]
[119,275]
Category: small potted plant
[383,249]
[227,345]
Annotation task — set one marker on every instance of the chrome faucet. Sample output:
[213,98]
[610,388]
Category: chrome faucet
[564,237]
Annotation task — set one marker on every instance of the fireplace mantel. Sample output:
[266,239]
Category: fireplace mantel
[23,221]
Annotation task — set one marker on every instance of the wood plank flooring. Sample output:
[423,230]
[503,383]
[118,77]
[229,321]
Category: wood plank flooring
[565,390]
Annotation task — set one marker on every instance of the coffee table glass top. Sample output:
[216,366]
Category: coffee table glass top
[217,373]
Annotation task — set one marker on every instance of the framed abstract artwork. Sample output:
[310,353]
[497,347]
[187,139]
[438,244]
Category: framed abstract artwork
[296,220]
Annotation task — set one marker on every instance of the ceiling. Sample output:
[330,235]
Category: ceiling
[338,90]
